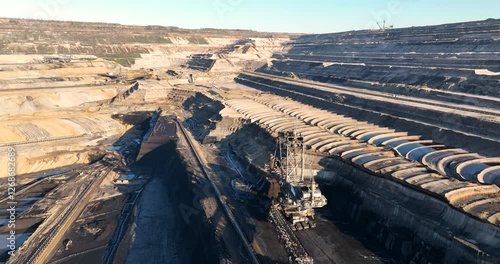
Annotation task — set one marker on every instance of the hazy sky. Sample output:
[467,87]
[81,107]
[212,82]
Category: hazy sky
[304,16]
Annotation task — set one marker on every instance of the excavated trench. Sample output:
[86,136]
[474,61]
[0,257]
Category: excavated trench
[161,232]
[386,217]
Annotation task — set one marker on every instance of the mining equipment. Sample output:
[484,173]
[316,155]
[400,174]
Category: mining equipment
[57,59]
[131,76]
[294,76]
[292,209]
[383,27]
[190,78]
[298,197]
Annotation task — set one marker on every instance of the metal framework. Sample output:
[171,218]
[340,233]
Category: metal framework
[291,156]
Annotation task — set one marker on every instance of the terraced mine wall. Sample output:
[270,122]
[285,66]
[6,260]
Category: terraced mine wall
[459,57]
[57,131]
[205,114]
[200,62]
[240,144]
[410,224]
[142,46]
[415,91]
[436,132]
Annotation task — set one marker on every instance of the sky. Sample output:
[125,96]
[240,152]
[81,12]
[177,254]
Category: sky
[299,16]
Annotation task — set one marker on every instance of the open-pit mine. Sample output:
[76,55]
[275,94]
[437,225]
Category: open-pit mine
[151,144]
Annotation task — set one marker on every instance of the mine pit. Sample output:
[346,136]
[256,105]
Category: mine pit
[215,146]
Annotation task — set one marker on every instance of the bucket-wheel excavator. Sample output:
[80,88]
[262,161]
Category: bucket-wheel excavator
[298,196]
